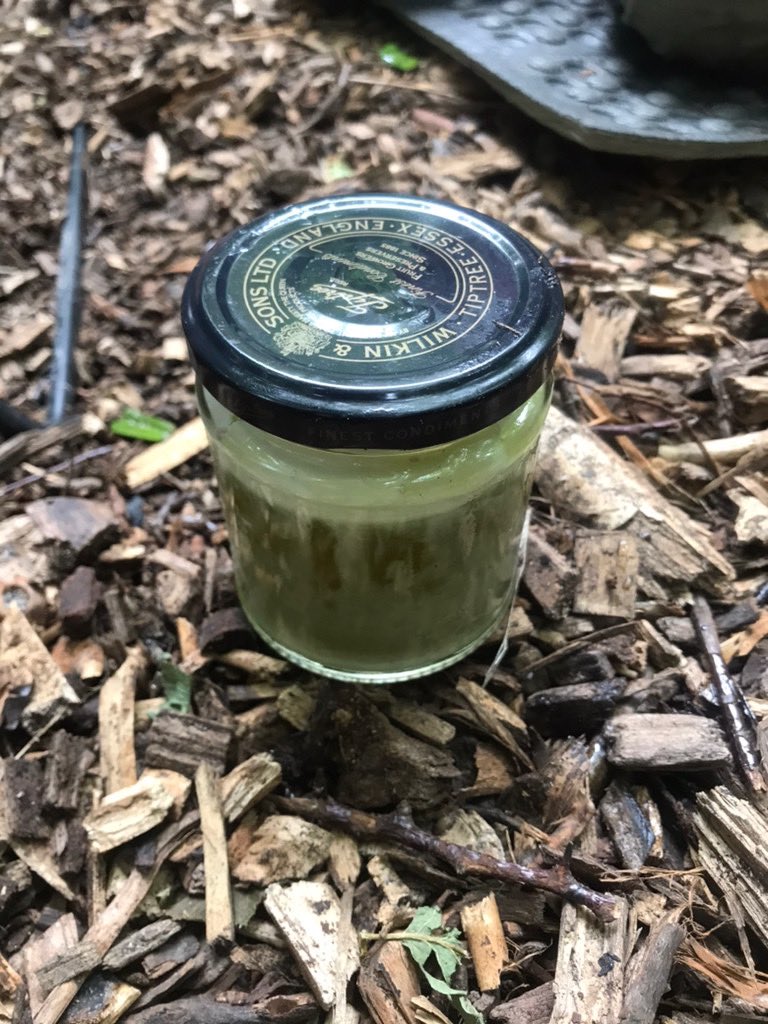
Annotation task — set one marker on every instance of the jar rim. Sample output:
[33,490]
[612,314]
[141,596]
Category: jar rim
[372,320]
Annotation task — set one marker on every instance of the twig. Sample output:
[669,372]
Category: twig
[32,442]
[737,718]
[400,829]
[68,299]
[753,460]
[576,645]
[328,103]
[60,467]
[636,428]
[724,449]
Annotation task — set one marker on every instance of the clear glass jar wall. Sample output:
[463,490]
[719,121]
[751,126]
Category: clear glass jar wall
[375,565]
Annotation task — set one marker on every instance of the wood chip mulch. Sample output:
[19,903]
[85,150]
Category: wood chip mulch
[192,829]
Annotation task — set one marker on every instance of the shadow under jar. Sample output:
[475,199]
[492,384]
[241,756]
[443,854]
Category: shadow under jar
[374,372]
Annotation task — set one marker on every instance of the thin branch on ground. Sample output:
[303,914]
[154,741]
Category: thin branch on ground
[397,828]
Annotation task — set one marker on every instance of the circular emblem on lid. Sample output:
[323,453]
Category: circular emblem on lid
[372,321]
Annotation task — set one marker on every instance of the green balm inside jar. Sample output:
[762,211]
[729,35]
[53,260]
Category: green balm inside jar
[374,372]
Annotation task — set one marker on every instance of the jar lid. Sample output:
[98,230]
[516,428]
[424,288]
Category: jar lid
[372,321]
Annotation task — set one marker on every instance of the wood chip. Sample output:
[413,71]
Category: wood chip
[608,564]
[157,163]
[658,742]
[470,829]
[672,366]
[603,337]
[248,784]
[174,783]
[347,964]
[751,523]
[485,937]
[127,813]
[627,824]
[500,721]
[59,937]
[494,773]
[344,861]
[34,853]
[78,599]
[741,644]
[70,963]
[749,397]
[219,919]
[23,334]
[550,577]
[117,754]
[591,960]
[23,792]
[308,916]
[280,848]
[589,482]
[14,998]
[181,742]
[261,667]
[647,975]
[102,1001]
[135,946]
[78,528]
[469,166]
[731,847]
[25,662]
[180,447]
[388,983]
[420,722]
[533,1007]
[573,710]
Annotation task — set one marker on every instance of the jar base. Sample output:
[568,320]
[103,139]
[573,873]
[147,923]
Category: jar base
[375,678]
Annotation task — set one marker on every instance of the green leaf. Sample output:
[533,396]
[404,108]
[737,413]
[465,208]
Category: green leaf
[459,1000]
[177,687]
[449,959]
[335,168]
[140,427]
[397,58]
[426,920]
[429,939]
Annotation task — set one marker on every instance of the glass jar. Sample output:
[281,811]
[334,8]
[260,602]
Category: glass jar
[373,372]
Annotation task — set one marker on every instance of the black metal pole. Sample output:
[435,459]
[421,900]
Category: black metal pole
[68,295]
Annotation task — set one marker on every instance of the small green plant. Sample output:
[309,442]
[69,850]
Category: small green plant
[437,953]
[177,687]
[398,58]
[140,427]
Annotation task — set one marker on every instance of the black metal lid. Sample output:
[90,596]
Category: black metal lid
[372,321]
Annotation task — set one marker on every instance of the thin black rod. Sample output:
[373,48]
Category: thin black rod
[68,294]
